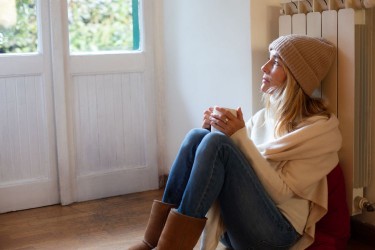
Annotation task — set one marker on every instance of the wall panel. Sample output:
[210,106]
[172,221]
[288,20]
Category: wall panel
[109,122]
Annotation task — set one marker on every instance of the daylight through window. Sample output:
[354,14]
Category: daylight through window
[18,27]
[104,25]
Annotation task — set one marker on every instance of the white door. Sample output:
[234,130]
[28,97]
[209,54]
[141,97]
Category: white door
[28,169]
[100,107]
[111,111]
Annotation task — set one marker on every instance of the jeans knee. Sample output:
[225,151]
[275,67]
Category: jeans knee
[195,136]
[215,138]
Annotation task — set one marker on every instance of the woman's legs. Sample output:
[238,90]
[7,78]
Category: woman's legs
[181,168]
[209,167]
[176,184]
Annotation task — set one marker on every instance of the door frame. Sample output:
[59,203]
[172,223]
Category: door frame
[63,116]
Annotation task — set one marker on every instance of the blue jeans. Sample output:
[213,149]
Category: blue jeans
[210,167]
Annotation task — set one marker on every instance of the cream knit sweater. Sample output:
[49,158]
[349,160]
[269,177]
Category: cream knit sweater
[292,168]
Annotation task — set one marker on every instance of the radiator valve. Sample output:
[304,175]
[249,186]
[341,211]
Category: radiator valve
[364,204]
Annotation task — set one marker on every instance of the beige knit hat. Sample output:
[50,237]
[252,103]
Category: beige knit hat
[309,59]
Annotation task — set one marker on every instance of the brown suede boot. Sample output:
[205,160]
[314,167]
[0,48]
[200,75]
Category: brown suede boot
[158,217]
[180,232]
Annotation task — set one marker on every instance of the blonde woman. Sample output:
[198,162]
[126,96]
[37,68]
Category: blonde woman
[268,176]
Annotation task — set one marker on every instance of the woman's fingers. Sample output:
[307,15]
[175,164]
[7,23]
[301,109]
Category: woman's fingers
[225,121]
[206,118]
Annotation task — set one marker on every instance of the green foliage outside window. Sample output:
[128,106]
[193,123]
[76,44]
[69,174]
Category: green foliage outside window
[21,37]
[101,25]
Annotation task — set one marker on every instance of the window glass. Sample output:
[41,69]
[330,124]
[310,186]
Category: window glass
[103,25]
[18,26]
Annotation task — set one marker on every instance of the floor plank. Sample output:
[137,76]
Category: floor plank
[113,223]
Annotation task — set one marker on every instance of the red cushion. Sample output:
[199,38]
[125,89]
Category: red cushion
[333,230]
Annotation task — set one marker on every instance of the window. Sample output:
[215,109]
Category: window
[103,25]
[94,26]
[18,27]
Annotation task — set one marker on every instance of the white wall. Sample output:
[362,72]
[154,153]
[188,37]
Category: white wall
[207,62]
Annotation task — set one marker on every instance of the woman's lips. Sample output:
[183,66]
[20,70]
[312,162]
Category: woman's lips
[265,80]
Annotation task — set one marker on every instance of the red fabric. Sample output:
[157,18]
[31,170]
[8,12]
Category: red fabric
[332,232]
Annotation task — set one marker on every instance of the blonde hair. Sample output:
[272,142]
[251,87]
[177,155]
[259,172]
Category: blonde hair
[291,105]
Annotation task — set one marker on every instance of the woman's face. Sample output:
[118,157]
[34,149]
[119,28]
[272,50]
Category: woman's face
[274,75]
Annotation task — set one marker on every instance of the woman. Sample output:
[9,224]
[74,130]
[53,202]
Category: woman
[267,177]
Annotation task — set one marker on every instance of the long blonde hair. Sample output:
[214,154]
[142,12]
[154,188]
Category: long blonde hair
[291,106]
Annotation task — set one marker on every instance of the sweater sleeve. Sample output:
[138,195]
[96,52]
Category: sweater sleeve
[278,190]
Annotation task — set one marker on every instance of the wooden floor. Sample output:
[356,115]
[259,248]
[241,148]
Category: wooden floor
[105,224]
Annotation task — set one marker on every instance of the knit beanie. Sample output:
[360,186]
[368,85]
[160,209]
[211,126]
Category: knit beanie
[308,59]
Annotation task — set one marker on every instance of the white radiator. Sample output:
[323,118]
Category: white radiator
[348,87]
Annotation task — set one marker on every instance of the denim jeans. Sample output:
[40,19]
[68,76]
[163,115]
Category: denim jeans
[210,167]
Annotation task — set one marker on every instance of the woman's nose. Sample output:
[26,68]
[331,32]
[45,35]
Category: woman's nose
[264,68]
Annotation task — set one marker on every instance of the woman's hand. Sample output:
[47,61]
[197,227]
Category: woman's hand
[226,122]
[206,118]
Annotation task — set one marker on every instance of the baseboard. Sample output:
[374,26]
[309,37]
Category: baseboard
[163,180]
[363,232]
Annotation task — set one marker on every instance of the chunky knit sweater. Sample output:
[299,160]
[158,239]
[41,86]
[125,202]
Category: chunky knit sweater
[292,168]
